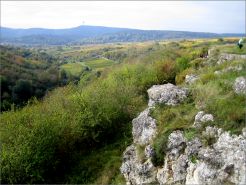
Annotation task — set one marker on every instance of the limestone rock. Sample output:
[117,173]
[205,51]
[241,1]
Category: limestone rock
[144,128]
[240,85]
[175,140]
[174,169]
[221,163]
[193,147]
[167,93]
[149,151]
[136,172]
[201,117]
[190,79]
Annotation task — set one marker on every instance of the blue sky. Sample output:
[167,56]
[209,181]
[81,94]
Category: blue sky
[205,16]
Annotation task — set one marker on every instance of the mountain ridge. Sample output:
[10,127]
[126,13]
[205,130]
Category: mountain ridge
[85,34]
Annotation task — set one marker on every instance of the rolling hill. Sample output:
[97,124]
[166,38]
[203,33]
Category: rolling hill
[94,35]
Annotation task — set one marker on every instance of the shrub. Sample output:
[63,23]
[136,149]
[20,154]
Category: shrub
[182,63]
[37,145]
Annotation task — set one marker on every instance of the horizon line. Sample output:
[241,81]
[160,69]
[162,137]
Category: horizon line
[118,28]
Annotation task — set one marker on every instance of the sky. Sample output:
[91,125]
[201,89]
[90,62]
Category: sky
[203,16]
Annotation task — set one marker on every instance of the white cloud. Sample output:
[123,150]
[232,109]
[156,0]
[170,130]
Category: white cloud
[172,15]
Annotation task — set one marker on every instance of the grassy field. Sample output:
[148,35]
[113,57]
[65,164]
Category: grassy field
[233,49]
[99,63]
[73,68]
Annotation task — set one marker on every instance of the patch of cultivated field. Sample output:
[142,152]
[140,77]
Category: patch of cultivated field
[99,63]
[73,68]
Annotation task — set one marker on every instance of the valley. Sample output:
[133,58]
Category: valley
[67,110]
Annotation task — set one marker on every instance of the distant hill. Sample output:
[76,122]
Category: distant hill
[94,34]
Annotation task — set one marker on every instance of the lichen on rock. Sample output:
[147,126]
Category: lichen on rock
[168,94]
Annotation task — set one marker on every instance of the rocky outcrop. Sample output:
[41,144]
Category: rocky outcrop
[214,157]
[144,128]
[168,94]
[135,169]
[190,79]
[190,162]
[221,163]
[224,57]
[240,85]
[175,165]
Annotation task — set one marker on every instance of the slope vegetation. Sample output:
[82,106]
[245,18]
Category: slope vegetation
[78,132]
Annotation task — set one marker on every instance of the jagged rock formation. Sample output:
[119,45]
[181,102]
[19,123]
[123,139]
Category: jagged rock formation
[134,170]
[220,163]
[144,128]
[142,171]
[220,160]
[240,85]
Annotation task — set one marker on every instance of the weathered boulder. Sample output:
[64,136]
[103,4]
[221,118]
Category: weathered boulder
[201,117]
[144,128]
[240,85]
[167,93]
[190,79]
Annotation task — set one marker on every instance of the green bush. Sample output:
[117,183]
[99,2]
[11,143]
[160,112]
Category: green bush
[182,63]
[43,139]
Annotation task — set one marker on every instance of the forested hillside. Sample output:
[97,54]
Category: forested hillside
[26,73]
[94,35]
[77,133]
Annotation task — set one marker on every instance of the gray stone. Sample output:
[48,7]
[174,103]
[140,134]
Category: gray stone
[149,151]
[168,94]
[240,85]
[221,163]
[175,140]
[201,117]
[144,128]
[136,172]
[193,147]
[175,165]
[190,79]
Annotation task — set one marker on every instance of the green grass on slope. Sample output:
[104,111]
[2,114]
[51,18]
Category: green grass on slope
[77,134]
[74,69]
[101,166]
[213,94]
[233,49]
[99,63]
[41,142]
